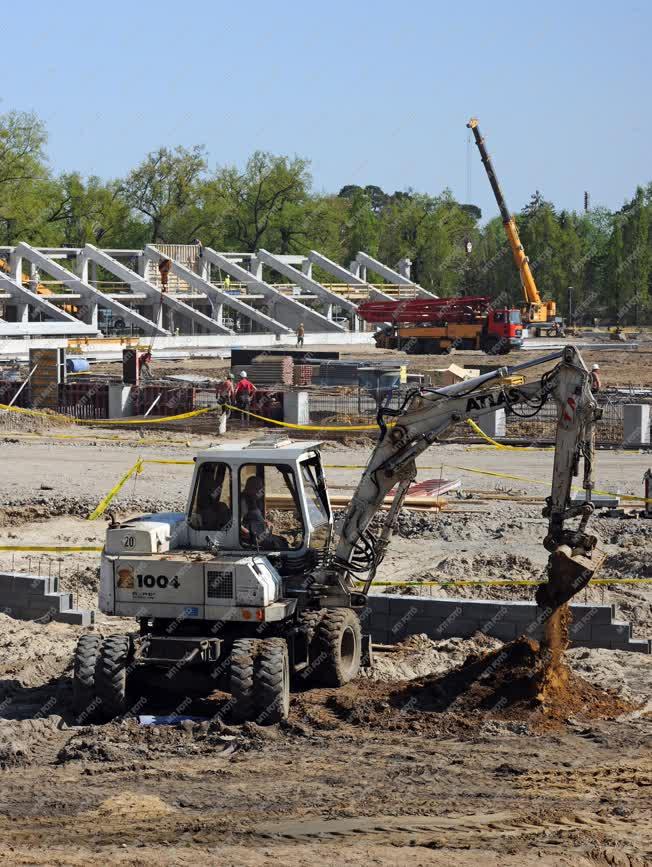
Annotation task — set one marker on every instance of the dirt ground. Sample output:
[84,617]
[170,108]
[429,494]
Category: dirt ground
[399,767]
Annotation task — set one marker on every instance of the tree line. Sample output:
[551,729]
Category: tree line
[174,196]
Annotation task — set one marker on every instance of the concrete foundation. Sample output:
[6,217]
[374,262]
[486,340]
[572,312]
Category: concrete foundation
[393,618]
[32,597]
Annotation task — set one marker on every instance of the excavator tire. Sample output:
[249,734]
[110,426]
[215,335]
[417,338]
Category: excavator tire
[272,681]
[83,679]
[340,644]
[308,624]
[243,656]
[111,675]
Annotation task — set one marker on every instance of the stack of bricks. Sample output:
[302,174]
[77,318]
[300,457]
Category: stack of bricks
[271,370]
[34,597]
[302,374]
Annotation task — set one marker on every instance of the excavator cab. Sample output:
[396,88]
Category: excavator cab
[267,496]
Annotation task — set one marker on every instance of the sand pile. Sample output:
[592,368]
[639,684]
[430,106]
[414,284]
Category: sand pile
[520,681]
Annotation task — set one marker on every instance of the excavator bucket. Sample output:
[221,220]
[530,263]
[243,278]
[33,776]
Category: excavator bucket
[569,571]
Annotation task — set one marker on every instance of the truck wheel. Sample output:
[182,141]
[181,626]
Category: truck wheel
[241,678]
[83,679]
[273,681]
[111,675]
[488,345]
[340,639]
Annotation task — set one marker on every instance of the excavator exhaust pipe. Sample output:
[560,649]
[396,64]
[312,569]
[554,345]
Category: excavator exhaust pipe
[569,571]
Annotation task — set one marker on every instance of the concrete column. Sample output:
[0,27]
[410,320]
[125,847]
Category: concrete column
[328,311]
[256,268]
[81,268]
[120,400]
[405,267]
[33,277]
[22,312]
[636,423]
[306,268]
[16,266]
[217,312]
[354,268]
[296,407]
[493,423]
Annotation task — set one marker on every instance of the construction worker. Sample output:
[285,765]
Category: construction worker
[144,370]
[301,331]
[225,391]
[164,269]
[227,282]
[596,384]
[244,392]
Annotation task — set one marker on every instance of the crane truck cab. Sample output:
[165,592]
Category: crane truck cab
[225,589]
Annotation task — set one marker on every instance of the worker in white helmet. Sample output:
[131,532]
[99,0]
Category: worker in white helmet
[596,383]
[244,392]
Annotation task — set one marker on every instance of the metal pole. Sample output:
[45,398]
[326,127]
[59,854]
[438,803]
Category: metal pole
[154,404]
[11,402]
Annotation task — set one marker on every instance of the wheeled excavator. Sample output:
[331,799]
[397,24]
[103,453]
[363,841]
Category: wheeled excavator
[246,590]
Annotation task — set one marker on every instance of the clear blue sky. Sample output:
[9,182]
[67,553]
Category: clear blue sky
[370,92]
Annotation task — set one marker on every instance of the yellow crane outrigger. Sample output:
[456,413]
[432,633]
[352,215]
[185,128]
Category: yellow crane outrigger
[540,315]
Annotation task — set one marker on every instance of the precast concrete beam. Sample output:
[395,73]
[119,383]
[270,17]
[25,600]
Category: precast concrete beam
[135,281]
[346,276]
[88,292]
[305,282]
[288,310]
[22,295]
[217,296]
[392,276]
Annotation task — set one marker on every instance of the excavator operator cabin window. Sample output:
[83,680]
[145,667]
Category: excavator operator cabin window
[316,500]
[270,511]
[211,507]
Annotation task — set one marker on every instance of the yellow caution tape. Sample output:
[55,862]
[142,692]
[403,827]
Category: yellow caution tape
[287,424]
[478,430]
[54,549]
[102,505]
[631,497]
[186,415]
[165,461]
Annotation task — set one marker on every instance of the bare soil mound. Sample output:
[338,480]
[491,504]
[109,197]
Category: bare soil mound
[511,685]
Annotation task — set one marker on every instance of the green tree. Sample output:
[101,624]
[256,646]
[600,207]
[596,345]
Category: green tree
[165,189]
[254,199]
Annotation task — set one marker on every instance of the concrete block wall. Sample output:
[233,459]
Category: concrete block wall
[31,597]
[394,617]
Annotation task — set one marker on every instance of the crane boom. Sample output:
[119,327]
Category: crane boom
[543,310]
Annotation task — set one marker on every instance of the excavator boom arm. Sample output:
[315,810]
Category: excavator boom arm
[428,414]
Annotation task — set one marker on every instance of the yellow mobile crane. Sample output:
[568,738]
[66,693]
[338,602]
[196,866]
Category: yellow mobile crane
[540,316]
